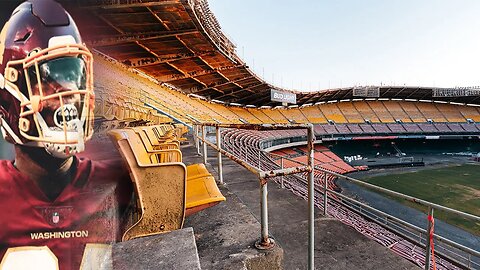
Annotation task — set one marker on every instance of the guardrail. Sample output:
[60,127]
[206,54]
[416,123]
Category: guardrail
[444,247]
[265,241]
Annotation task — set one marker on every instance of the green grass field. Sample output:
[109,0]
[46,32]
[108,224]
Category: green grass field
[456,187]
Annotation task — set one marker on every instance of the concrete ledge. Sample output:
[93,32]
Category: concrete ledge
[173,250]
[226,234]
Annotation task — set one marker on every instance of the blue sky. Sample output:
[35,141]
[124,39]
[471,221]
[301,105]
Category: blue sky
[319,44]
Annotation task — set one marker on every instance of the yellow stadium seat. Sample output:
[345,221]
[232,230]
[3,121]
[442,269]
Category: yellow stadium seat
[202,193]
[160,188]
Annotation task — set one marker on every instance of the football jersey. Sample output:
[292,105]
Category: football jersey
[89,210]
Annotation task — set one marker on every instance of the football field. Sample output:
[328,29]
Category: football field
[456,187]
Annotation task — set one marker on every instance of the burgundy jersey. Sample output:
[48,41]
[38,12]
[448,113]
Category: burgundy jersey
[89,210]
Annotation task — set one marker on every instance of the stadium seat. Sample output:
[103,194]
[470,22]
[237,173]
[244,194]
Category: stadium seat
[202,193]
[159,187]
[200,188]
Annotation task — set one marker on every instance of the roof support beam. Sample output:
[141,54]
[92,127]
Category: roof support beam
[151,61]
[238,90]
[185,75]
[108,5]
[125,38]
[206,62]
[225,83]
[199,73]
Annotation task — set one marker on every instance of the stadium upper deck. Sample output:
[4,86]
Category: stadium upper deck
[129,94]
[180,42]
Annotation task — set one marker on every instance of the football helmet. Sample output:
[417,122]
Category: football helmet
[46,80]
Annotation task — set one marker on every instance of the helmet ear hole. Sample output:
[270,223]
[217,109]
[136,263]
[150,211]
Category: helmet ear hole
[33,52]
[11,74]
[24,124]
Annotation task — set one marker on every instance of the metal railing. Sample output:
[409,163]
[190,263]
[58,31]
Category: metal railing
[407,230]
[265,241]
[446,248]
[430,211]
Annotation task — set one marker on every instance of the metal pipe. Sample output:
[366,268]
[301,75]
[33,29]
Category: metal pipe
[219,156]
[259,160]
[311,199]
[409,225]
[281,177]
[204,128]
[197,141]
[286,171]
[234,158]
[403,196]
[428,253]
[325,195]
[265,241]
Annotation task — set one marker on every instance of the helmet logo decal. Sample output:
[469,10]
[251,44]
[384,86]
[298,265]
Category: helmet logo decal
[68,111]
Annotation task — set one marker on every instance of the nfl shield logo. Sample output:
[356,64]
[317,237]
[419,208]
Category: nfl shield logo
[55,218]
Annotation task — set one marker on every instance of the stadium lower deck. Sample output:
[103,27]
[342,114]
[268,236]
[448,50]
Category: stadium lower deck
[340,120]
[222,236]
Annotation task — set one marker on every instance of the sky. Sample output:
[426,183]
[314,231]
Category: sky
[310,45]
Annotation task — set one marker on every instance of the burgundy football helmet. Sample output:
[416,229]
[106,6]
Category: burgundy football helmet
[46,80]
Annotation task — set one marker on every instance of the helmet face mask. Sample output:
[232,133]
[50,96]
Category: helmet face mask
[54,90]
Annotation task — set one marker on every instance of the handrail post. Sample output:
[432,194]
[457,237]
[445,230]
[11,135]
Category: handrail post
[259,160]
[325,195]
[197,139]
[265,241]
[311,201]
[281,177]
[204,128]
[219,156]
[428,253]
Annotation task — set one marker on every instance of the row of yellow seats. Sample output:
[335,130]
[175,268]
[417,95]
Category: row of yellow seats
[202,191]
[166,189]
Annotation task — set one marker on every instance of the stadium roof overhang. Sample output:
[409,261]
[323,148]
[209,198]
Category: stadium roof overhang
[180,43]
